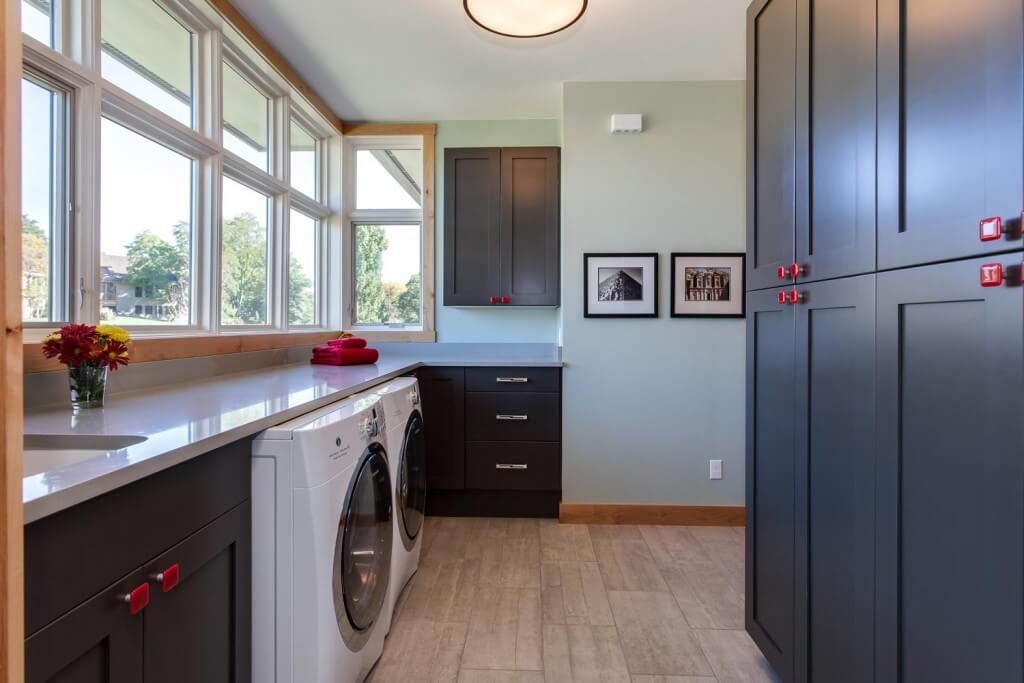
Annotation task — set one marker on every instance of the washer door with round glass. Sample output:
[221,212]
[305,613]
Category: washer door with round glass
[362,551]
[411,490]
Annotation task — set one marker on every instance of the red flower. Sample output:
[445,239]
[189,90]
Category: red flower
[72,345]
[114,354]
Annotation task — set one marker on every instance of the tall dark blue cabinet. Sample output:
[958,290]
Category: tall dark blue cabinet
[885,348]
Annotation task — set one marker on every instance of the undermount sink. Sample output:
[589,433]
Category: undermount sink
[46,452]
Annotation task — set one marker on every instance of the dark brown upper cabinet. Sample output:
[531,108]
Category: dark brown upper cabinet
[950,140]
[501,226]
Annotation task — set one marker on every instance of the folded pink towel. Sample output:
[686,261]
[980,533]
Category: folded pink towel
[348,343]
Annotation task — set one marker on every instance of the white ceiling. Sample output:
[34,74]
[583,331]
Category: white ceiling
[424,60]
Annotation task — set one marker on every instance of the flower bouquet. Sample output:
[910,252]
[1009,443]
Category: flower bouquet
[89,352]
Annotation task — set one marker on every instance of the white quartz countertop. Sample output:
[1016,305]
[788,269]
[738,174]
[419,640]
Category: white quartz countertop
[183,421]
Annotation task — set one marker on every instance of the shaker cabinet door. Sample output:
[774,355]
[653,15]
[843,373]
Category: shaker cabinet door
[950,524]
[771,470]
[771,139]
[472,205]
[529,226]
[99,641]
[835,480]
[836,128]
[442,391]
[200,628]
[951,143]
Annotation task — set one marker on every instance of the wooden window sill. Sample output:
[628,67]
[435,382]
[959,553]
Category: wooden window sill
[150,349]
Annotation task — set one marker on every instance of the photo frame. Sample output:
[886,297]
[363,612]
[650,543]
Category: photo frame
[621,285]
[708,285]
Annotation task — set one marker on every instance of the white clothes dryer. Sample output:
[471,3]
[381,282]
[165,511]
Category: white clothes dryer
[322,543]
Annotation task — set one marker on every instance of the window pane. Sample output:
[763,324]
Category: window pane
[145,230]
[149,54]
[37,20]
[244,247]
[387,274]
[42,189]
[302,269]
[389,178]
[246,119]
[303,160]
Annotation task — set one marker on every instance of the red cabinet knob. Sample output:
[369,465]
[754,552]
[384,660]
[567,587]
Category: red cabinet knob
[780,273]
[991,275]
[782,298]
[990,229]
[505,299]
[795,297]
[494,299]
[795,270]
[168,578]
[137,599]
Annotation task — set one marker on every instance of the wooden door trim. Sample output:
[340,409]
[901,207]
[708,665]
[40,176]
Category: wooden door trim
[12,614]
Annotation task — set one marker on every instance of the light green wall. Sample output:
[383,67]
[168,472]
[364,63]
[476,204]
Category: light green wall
[648,402]
[484,324]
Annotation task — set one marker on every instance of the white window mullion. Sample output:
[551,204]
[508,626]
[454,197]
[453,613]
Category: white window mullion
[280,260]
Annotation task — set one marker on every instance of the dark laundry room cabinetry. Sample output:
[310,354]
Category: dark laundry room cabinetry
[495,447]
[950,581]
[148,583]
[501,226]
[885,482]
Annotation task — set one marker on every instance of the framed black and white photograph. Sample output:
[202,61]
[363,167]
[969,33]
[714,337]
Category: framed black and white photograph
[620,285]
[707,285]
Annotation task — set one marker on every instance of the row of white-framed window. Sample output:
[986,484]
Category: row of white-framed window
[172,180]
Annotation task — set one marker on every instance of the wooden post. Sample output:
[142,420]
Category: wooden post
[12,620]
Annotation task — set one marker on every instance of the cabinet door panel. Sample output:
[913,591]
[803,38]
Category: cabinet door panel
[835,424]
[951,143]
[472,203]
[442,391]
[529,225]
[835,228]
[201,629]
[771,139]
[950,524]
[771,469]
[97,642]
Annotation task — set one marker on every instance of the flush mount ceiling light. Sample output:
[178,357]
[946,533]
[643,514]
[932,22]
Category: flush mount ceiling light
[525,18]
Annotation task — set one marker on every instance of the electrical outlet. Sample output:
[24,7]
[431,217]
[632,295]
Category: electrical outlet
[716,469]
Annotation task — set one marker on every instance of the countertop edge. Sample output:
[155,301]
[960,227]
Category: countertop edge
[44,506]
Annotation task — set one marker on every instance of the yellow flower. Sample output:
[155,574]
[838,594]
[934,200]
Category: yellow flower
[53,336]
[113,332]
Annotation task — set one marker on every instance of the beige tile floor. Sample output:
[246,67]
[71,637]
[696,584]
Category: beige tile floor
[518,601]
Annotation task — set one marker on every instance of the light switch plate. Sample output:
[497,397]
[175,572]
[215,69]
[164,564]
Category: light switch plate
[716,469]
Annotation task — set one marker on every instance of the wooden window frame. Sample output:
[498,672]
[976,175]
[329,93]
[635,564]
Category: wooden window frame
[381,132]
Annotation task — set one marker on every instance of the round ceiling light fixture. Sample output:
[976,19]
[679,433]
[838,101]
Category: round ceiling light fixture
[525,18]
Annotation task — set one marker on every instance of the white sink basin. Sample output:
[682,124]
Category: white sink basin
[47,452]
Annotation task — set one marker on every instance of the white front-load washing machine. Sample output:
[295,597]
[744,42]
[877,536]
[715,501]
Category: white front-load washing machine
[322,543]
[407,455]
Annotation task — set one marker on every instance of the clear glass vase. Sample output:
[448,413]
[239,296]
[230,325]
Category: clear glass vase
[88,385]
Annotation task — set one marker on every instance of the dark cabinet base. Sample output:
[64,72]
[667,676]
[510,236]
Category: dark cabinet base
[542,504]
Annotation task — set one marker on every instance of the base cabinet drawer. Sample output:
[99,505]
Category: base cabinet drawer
[512,466]
[513,379]
[513,417]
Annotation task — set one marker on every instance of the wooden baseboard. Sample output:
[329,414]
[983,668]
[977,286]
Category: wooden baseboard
[674,515]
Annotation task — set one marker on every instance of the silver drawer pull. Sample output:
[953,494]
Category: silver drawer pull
[512,380]
[511,466]
[512,418]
